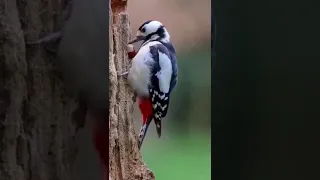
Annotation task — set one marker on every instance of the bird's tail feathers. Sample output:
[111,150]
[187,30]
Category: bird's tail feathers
[158,126]
[143,132]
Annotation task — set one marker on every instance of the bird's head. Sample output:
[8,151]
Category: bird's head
[151,30]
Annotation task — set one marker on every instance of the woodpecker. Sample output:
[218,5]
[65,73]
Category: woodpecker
[153,74]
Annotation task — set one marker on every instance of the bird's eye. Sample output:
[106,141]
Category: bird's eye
[143,30]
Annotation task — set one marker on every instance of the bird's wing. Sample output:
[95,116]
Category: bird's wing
[160,81]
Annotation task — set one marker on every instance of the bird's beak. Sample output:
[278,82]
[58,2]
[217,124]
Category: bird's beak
[137,39]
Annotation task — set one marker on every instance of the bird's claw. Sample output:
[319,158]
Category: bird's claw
[134,97]
[125,74]
[57,36]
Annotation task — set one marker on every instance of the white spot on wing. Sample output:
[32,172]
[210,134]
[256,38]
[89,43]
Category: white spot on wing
[162,96]
[164,107]
[153,96]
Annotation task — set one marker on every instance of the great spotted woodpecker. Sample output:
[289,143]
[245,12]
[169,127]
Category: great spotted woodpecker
[153,74]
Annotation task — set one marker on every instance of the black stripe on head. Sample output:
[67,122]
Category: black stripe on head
[147,22]
[159,32]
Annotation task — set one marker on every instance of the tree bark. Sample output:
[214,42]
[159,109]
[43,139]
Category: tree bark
[37,127]
[125,161]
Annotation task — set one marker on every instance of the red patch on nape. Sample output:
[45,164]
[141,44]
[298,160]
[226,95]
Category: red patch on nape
[145,107]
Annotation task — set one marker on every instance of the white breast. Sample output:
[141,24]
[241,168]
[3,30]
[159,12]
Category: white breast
[139,73]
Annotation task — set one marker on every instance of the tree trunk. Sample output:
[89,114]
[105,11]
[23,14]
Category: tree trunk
[37,127]
[125,161]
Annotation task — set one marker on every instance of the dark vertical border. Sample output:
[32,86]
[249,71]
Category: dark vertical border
[265,86]
[213,60]
[107,5]
[108,35]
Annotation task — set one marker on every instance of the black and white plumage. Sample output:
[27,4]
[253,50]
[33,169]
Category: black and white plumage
[153,73]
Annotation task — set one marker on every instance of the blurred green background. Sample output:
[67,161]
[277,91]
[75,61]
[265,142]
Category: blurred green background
[184,150]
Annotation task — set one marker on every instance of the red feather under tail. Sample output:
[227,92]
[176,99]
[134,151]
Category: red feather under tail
[100,139]
[145,107]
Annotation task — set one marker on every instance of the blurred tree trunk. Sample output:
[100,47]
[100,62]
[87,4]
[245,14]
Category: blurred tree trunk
[37,127]
[125,161]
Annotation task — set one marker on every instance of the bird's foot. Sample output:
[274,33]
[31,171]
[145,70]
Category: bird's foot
[51,38]
[124,75]
[134,97]
[51,42]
